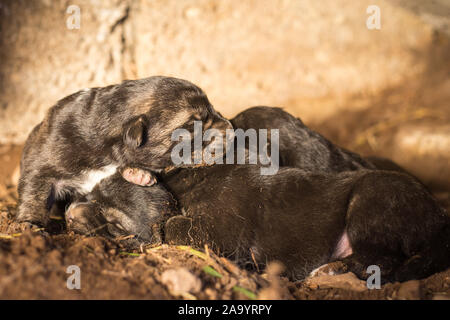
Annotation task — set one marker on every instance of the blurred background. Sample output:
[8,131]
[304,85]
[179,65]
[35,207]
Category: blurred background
[382,92]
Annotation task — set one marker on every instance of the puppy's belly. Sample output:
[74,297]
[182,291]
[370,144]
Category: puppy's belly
[343,248]
[85,182]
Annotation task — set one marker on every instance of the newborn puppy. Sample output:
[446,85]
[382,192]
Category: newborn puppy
[96,132]
[116,208]
[300,218]
[305,219]
[299,146]
[304,148]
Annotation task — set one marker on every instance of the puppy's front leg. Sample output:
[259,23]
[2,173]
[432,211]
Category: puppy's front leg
[138,176]
[36,197]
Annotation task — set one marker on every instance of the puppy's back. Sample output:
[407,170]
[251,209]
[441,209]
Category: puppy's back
[299,146]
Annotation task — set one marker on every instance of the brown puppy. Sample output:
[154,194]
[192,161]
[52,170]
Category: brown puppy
[93,133]
[306,219]
[299,146]
[116,208]
[303,219]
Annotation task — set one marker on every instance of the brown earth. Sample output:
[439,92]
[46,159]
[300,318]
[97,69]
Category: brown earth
[33,266]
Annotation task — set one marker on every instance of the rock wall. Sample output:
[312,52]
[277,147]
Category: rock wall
[305,55]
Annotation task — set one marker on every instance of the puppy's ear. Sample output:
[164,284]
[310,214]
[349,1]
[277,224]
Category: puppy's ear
[135,132]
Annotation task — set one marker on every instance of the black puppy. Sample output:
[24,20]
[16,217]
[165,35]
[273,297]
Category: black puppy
[302,219]
[305,219]
[116,208]
[303,148]
[299,146]
[93,133]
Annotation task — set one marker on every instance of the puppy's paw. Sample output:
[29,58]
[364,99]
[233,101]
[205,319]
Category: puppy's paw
[75,213]
[139,177]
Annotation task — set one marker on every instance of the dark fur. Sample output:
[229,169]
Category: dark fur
[303,148]
[300,146]
[117,208]
[297,217]
[126,124]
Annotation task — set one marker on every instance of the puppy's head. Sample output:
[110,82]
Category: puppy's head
[174,104]
[89,218]
[117,209]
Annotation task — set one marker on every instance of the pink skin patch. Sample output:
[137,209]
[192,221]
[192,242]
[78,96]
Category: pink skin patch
[343,248]
[139,177]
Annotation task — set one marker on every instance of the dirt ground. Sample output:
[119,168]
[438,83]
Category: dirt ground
[34,266]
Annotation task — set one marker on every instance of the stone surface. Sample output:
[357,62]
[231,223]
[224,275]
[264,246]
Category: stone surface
[307,56]
[41,60]
[434,12]
[425,150]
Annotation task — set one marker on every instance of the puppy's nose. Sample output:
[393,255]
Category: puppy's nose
[76,211]
[222,124]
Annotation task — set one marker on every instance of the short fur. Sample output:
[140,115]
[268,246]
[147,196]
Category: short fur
[295,217]
[116,208]
[299,146]
[93,133]
[298,217]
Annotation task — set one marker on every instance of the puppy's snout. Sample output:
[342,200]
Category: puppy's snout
[228,133]
[77,211]
[222,124]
